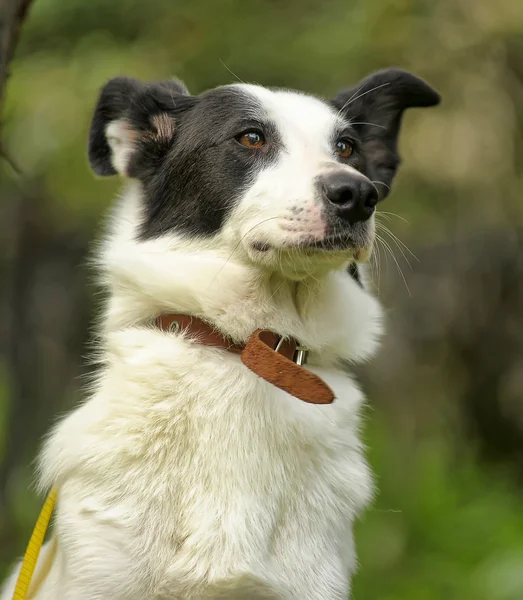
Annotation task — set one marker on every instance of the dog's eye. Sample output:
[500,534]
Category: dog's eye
[251,139]
[344,148]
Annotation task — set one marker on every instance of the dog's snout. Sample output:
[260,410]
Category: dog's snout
[353,197]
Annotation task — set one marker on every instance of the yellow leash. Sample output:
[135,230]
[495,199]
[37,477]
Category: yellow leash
[33,548]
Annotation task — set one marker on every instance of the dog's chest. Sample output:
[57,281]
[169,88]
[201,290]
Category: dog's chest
[206,464]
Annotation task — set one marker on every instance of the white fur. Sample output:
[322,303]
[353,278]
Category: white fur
[185,475]
[282,208]
[120,138]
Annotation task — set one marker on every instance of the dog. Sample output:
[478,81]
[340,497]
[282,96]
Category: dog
[189,473]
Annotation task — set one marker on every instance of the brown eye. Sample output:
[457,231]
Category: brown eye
[251,139]
[344,148]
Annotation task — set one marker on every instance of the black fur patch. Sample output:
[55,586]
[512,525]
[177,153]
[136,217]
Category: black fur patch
[206,170]
[354,272]
[192,168]
[375,107]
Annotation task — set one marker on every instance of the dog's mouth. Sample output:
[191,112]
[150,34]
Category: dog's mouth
[333,243]
[358,244]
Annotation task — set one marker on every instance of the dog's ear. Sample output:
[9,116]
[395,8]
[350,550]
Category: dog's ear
[134,123]
[375,106]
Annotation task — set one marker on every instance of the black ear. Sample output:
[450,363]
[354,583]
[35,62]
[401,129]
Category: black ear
[128,114]
[375,107]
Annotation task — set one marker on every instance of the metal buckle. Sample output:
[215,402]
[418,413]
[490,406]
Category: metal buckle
[300,355]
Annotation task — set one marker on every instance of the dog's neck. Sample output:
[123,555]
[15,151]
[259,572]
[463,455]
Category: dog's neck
[330,312]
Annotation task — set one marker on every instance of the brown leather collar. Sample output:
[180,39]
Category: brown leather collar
[277,360]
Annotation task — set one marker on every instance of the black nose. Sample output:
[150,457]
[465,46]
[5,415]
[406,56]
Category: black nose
[353,197]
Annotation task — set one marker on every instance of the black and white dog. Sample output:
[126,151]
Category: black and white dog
[185,475]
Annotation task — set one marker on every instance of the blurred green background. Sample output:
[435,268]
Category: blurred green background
[445,421]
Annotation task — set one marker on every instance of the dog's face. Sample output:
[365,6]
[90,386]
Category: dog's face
[281,178]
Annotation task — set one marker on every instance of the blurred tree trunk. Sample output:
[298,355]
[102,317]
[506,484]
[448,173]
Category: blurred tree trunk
[46,315]
[12,15]
[45,311]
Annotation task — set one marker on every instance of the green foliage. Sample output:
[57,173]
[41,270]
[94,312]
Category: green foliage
[441,527]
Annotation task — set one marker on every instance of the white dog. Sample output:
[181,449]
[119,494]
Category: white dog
[191,472]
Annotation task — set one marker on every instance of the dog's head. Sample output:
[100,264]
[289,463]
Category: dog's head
[283,179]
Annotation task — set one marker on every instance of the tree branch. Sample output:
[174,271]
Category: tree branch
[12,16]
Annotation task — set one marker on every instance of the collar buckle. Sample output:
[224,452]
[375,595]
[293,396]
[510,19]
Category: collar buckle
[301,355]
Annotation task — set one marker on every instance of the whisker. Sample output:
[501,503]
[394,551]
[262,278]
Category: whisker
[277,289]
[354,98]
[355,93]
[375,267]
[378,263]
[397,265]
[365,123]
[382,183]
[382,212]
[233,74]
[374,186]
[398,241]
[236,246]
[379,248]
[385,230]
[309,260]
